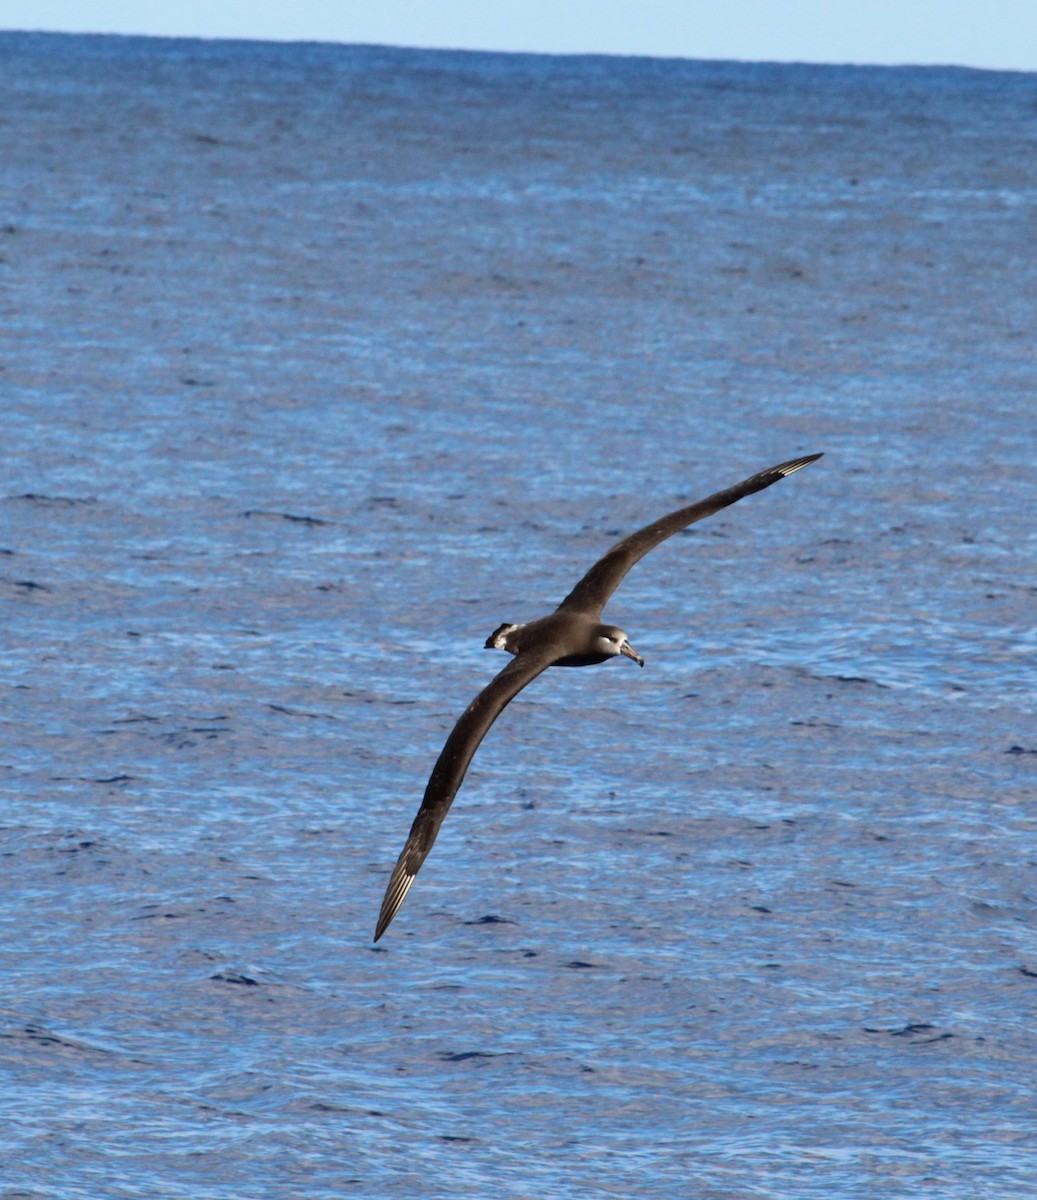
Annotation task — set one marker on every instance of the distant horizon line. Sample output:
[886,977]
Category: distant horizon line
[568,54]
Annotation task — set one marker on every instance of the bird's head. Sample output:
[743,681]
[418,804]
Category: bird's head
[612,642]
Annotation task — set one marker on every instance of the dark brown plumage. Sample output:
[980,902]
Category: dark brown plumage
[572,635]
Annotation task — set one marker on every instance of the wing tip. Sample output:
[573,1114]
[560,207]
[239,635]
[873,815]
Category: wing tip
[797,464]
[395,894]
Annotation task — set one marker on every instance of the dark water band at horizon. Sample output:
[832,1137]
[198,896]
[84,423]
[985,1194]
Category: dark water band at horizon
[318,363]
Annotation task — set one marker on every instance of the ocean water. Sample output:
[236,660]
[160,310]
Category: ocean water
[316,364]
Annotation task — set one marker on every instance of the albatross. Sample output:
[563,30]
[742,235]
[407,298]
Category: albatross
[572,636]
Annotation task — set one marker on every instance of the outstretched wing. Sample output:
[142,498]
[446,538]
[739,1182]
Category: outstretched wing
[592,592]
[450,770]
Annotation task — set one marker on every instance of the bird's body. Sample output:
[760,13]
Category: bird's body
[572,636]
[577,638]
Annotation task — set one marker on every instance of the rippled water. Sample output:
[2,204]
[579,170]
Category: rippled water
[317,364]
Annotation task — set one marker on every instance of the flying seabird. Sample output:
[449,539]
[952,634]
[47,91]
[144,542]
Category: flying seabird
[571,636]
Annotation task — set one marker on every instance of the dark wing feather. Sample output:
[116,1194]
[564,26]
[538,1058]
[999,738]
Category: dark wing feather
[592,592]
[450,770]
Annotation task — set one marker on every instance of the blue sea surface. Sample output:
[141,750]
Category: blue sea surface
[319,362]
